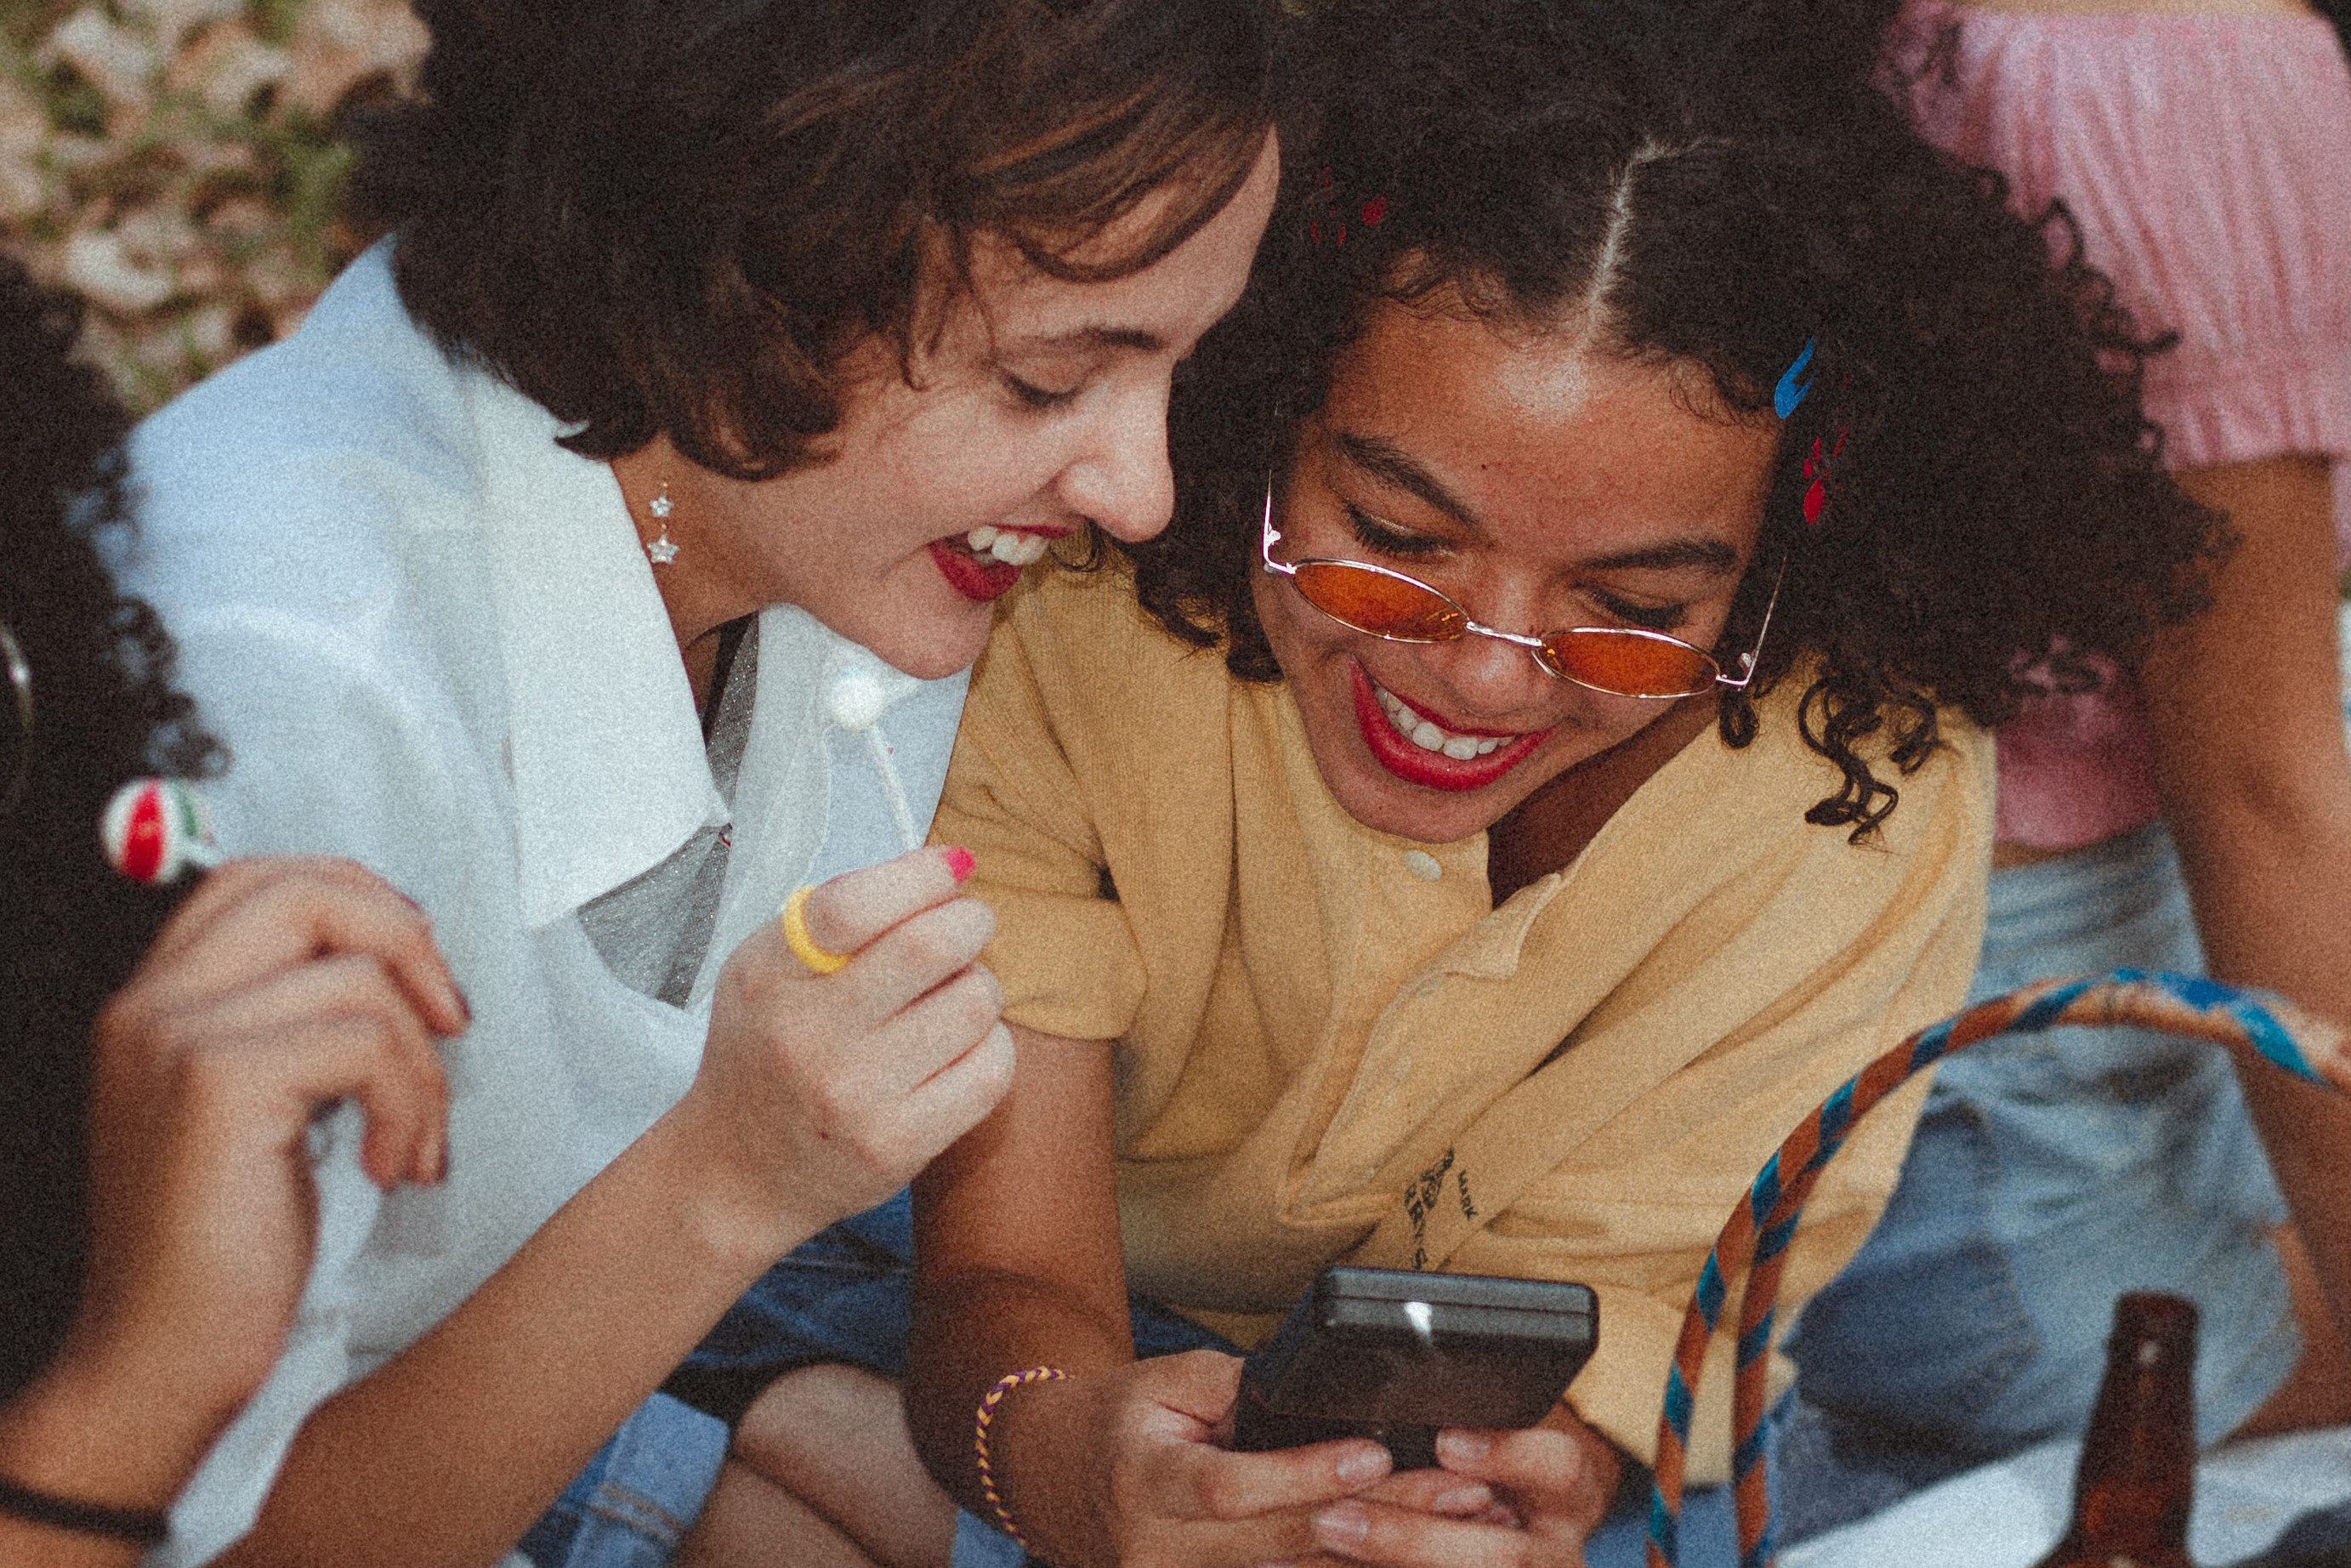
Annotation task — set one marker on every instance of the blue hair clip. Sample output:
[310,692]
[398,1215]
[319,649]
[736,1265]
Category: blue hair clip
[1790,392]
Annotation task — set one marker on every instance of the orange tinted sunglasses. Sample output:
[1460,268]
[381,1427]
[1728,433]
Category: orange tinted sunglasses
[1622,661]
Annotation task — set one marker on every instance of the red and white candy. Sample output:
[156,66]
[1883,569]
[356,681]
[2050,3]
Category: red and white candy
[155,829]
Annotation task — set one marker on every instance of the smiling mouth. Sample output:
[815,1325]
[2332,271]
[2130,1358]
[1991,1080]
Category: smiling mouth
[984,564]
[1414,748]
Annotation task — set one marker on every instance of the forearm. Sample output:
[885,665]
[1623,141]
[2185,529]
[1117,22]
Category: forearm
[2246,709]
[97,1433]
[1017,1265]
[450,1451]
[968,1332]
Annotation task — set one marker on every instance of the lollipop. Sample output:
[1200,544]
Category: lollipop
[860,691]
[154,829]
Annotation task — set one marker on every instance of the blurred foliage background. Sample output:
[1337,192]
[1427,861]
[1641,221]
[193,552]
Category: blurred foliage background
[181,163]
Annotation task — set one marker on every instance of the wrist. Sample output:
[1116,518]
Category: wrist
[1041,1453]
[741,1228]
[94,1429]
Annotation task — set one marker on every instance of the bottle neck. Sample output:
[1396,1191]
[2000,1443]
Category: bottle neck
[2139,1463]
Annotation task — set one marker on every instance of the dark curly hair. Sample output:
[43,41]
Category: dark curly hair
[1718,183]
[104,711]
[677,217]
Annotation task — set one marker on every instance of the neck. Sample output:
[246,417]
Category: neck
[1550,828]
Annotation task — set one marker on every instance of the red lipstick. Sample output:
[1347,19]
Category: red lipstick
[975,580]
[1432,770]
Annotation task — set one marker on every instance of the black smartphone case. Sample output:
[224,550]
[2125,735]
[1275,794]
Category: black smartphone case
[1392,1355]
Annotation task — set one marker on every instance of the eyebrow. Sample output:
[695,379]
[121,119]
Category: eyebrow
[1390,463]
[1096,337]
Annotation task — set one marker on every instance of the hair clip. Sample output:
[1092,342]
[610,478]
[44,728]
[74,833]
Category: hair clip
[1816,470]
[1372,213]
[20,682]
[1789,392]
[154,829]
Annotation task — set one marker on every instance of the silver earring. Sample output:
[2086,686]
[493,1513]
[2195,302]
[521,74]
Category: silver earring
[20,681]
[661,551]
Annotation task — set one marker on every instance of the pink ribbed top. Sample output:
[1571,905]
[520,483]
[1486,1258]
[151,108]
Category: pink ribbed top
[2208,160]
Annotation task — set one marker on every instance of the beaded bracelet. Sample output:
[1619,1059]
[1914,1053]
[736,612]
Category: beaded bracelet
[139,1526]
[987,1403]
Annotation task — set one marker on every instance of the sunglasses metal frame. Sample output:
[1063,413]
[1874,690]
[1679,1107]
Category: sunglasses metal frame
[1538,647]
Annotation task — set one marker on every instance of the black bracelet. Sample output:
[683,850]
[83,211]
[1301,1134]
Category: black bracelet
[139,1526]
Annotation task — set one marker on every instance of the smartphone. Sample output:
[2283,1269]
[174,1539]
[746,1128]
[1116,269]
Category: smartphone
[1393,1354]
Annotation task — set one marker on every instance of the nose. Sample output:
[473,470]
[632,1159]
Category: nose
[1494,681]
[1122,481]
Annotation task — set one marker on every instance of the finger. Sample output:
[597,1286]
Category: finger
[1213,1483]
[279,917]
[277,1078]
[1434,1491]
[952,1102]
[349,992]
[1372,1532]
[923,1038]
[1540,1462]
[234,881]
[848,912]
[916,957]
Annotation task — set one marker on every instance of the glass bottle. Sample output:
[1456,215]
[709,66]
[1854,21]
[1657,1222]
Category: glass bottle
[2137,1475]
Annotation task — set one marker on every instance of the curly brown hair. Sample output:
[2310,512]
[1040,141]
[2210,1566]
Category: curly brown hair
[104,711]
[678,217]
[1720,184]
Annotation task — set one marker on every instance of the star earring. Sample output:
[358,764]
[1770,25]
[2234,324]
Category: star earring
[661,551]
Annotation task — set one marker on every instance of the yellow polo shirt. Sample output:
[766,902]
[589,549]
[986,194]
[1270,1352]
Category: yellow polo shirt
[1311,1018]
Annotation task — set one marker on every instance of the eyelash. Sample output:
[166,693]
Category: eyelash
[1381,539]
[1037,399]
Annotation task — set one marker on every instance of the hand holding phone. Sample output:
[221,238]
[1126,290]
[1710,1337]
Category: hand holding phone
[1393,1356]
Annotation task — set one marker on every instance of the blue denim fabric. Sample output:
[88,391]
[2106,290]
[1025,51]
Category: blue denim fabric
[845,1295]
[639,1495]
[2049,1174]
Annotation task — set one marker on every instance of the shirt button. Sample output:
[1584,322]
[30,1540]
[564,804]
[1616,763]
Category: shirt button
[1422,864]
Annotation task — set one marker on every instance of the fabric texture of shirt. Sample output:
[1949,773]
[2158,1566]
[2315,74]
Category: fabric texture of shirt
[1313,1020]
[431,642]
[2203,157]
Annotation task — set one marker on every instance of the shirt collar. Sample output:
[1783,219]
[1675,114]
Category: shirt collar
[603,747]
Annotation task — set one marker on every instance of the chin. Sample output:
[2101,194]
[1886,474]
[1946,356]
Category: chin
[932,649]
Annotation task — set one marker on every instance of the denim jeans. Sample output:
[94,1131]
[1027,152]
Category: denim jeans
[2049,1174]
[846,1295]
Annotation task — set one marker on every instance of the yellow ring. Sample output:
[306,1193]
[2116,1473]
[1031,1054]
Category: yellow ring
[804,946]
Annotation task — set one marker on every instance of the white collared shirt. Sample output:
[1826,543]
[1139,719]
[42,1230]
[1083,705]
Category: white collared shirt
[431,642]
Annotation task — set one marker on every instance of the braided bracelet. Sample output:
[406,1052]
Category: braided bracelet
[139,1526]
[987,1403]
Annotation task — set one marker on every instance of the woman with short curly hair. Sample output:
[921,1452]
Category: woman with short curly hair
[600,563]
[1545,756]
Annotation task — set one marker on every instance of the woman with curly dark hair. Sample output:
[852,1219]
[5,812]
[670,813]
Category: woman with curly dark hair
[1543,757]
[156,1228]
[2191,810]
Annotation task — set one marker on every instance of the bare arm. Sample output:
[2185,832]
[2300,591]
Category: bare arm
[818,1096]
[2246,707]
[281,986]
[1017,1264]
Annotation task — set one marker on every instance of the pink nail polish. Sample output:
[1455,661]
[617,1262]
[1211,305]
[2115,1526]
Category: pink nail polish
[960,862]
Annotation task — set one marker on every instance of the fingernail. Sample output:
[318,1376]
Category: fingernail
[1464,1448]
[1463,1500]
[1343,1525]
[960,862]
[1360,1466]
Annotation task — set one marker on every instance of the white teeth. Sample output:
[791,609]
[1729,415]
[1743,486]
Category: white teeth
[1428,736]
[1006,545]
